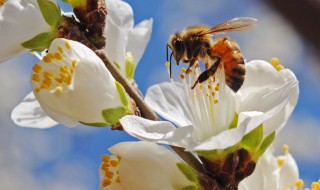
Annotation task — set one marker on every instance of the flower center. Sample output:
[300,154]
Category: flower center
[209,105]
[2,2]
[55,71]
[110,170]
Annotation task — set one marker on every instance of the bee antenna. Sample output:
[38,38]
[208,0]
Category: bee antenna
[167,51]
[170,66]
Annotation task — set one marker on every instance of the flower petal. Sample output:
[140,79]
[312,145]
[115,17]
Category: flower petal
[289,173]
[157,131]
[147,165]
[19,21]
[248,121]
[164,99]
[138,38]
[29,114]
[115,48]
[121,13]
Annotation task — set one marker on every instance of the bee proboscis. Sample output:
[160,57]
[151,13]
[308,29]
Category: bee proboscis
[196,43]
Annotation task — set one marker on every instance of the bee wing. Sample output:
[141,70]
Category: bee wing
[235,24]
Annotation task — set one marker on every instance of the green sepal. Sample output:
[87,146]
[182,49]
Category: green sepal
[123,94]
[253,139]
[76,3]
[113,115]
[190,173]
[130,65]
[264,145]
[234,121]
[117,65]
[94,124]
[190,187]
[50,12]
[217,154]
[40,42]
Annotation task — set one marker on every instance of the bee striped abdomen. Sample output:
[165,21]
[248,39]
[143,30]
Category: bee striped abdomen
[233,62]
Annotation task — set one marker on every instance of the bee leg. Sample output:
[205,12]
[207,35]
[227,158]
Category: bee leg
[207,73]
[192,62]
[194,59]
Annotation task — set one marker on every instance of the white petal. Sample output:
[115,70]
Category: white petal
[120,12]
[157,131]
[29,114]
[147,166]
[20,21]
[248,121]
[289,173]
[164,100]
[138,38]
[115,48]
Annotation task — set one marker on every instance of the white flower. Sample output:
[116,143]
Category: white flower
[122,37]
[20,20]
[145,166]
[212,116]
[73,86]
[276,173]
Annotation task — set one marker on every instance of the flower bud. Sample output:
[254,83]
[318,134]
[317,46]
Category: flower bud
[73,86]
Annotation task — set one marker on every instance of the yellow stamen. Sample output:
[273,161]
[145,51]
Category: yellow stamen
[183,70]
[215,101]
[275,62]
[114,163]
[315,186]
[109,174]
[279,67]
[280,161]
[74,63]
[106,182]
[197,66]
[119,157]
[47,81]
[60,49]
[58,56]
[44,86]
[37,68]
[68,46]
[36,77]
[182,76]
[285,148]
[48,74]
[64,77]
[299,183]
[167,63]
[216,88]
[58,91]
[47,59]
[59,80]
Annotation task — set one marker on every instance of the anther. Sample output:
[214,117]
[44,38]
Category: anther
[74,63]
[285,148]
[188,71]
[216,101]
[299,183]
[315,186]
[68,46]
[183,70]
[167,63]
[106,182]
[37,68]
[58,56]
[36,77]
[47,59]
[114,163]
[47,74]
[60,49]
[279,67]
[182,76]
[58,91]
[280,161]
[275,62]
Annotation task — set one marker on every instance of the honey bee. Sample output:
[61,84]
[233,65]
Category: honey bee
[196,43]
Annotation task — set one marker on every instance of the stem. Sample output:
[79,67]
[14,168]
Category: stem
[146,112]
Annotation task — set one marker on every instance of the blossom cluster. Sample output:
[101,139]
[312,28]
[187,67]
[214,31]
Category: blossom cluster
[223,139]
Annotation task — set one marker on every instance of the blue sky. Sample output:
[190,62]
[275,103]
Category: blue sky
[62,158]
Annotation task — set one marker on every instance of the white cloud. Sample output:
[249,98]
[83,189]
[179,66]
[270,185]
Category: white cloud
[302,135]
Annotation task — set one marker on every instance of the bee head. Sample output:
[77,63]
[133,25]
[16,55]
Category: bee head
[177,46]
